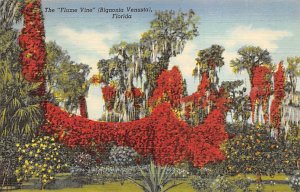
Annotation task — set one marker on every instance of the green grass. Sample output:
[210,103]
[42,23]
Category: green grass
[184,187]
[277,177]
[115,187]
[273,188]
[95,188]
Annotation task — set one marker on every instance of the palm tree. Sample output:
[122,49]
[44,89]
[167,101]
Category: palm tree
[9,12]
[207,61]
[166,38]
[249,57]
[293,71]
[20,112]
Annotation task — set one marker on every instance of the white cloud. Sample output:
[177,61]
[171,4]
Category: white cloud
[248,35]
[89,40]
[87,46]
[186,60]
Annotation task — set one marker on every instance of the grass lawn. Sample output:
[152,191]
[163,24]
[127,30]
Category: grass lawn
[277,177]
[273,188]
[115,187]
[184,187]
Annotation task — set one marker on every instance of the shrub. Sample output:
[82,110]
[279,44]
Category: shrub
[295,181]
[41,158]
[122,156]
[243,183]
[223,184]
[8,160]
[202,184]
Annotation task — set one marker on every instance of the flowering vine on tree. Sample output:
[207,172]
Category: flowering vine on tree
[279,94]
[161,135]
[260,91]
[169,88]
[32,43]
[109,95]
[199,96]
[136,95]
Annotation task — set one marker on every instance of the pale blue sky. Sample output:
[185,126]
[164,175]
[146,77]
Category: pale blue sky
[270,24]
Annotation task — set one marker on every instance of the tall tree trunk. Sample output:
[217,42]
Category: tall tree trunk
[83,106]
[257,106]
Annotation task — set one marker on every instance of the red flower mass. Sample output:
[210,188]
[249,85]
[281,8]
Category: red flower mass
[135,93]
[32,43]
[199,97]
[261,88]
[279,95]
[162,135]
[169,88]
[109,95]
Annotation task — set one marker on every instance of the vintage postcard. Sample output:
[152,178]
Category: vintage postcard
[148,95]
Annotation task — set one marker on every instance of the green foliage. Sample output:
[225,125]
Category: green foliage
[20,111]
[239,105]
[255,151]
[290,155]
[293,132]
[41,158]
[250,56]
[293,71]
[144,61]
[221,184]
[168,34]
[295,181]
[9,12]
[66,80]
[122,156]
[9,50]
[202,184]
[208,60]
[156,179]
[224,184]
[8,159]
[293,65]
